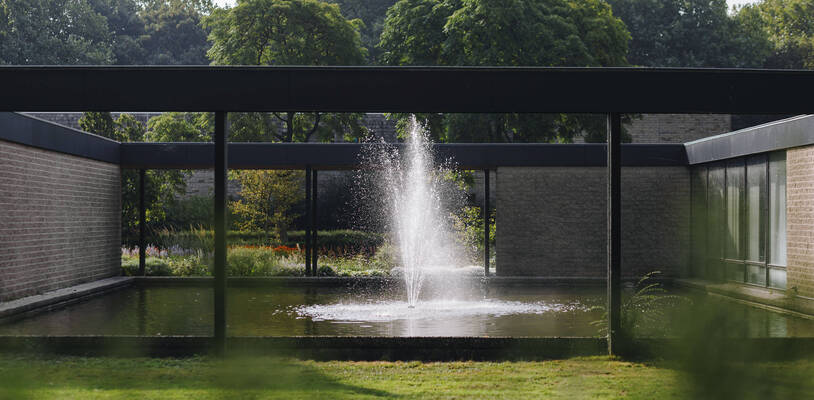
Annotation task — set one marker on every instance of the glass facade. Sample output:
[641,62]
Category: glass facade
[739,220]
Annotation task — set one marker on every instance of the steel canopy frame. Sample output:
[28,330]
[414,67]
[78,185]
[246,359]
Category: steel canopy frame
[609,91]
[405,89]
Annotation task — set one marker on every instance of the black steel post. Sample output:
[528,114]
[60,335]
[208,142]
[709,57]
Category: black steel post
[614,303]
[486,220]
[308,221]
[315,247]
[220,231]
[142,222]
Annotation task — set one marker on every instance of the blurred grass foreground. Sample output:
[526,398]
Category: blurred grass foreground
[30,377]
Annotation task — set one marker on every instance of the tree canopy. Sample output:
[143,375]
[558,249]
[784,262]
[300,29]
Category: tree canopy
[284,32]
[123,32]
[372,14]
[688,33]
[53,32]
[505,33]
[788,25]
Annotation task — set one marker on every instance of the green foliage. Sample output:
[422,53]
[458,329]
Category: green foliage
[372,14]
[267,199]
[175,127]
[173,34]
[646,311]
[503,33]
[53,32]
[343,242]
[688,33]
[161,186]
[153,266]
[288,32]
[469,226]
[283,32]
[789,29]
[186,213]
[123,32]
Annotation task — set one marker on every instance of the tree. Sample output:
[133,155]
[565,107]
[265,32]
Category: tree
[788,27]
[173,33]
[288,32]
[267,198]
[162,186]
[688,33]
[505,33]
[126,29]
[372,14]
[53,32]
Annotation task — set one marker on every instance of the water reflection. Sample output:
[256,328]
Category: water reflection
[510,311]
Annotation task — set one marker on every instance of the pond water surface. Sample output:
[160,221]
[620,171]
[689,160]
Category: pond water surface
[295,311]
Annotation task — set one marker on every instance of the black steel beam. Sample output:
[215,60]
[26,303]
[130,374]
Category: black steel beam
[221,169]
[30,131]
[314,223]
[614,241]
[142,222]
[327,156]
[405,89]
[486,221]
[308,245]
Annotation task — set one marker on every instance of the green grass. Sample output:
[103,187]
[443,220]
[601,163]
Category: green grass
[261,378]
[30,377]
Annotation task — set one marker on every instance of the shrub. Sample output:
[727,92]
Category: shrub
[189,212]
[153,266]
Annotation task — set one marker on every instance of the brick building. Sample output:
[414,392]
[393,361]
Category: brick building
[740,210]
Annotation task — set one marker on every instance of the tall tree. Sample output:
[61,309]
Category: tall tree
[789,28]
[53,32]
[372,14]
[505,33]
[173,34]
[289,32]
[688,33]
[126,29]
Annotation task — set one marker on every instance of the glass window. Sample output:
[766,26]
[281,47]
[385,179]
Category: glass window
[756,274]
[734,207]
[699,219]
[757,211]
[777,278]
[716,220]
[777,209]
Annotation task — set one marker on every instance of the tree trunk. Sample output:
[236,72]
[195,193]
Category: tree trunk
[282,231]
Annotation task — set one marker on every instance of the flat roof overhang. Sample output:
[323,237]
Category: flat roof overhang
[405,89]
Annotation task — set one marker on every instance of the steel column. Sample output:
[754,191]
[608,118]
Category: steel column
[486,220]
[314,247]
[614,304]
[308,221]
[220,230]
[142,222]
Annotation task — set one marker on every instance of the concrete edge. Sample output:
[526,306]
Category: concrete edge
[26,306]
[315,347]
[336,281]
[397,348]
[771,299]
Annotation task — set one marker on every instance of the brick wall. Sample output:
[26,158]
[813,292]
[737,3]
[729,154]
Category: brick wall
[677,128]
[551,221]
[60,220]
[800,219]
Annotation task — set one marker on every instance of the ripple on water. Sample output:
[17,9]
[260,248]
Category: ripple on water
[428,310]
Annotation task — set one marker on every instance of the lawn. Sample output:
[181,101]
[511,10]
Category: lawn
[208,378]
[29,377]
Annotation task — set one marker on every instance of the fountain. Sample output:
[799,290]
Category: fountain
[415,201]
[412,187]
